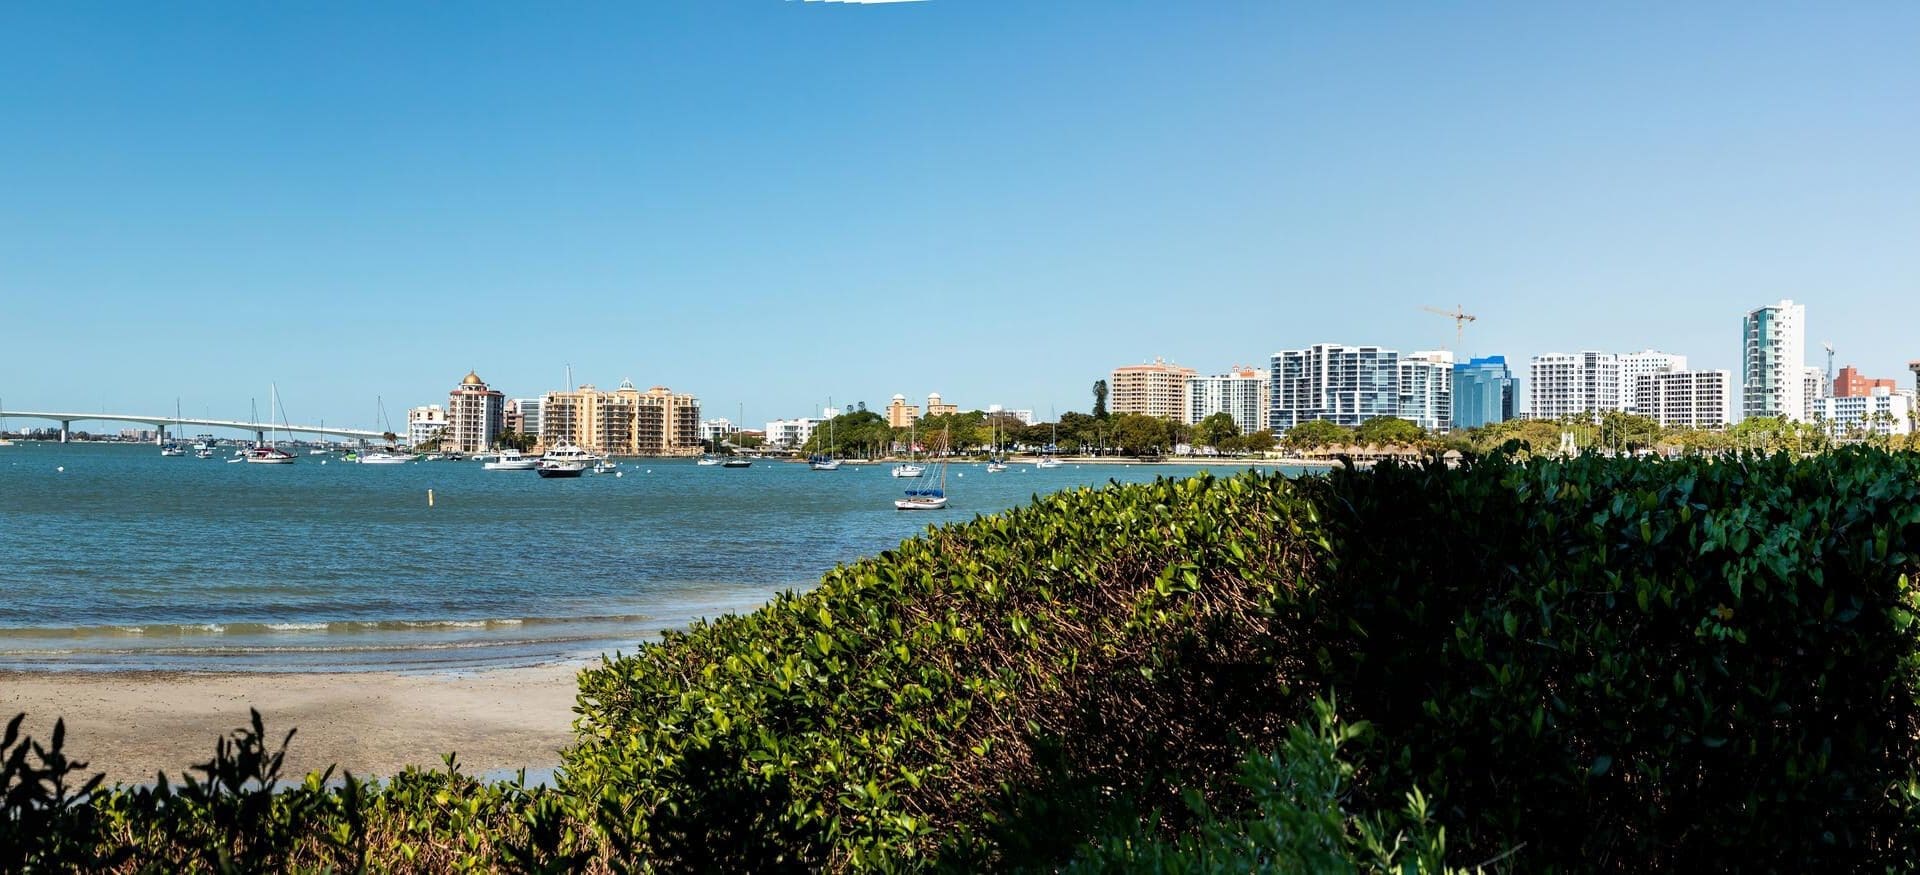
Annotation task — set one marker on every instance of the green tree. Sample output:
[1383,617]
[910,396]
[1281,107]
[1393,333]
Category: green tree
[1315,434]
[1627,432]
[1216,430]
[1389,431]
[1099,399]
[1137,434]
[1258,442]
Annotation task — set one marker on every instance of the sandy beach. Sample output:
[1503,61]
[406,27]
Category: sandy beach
[131,724]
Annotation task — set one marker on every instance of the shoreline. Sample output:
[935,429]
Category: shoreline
[131,724]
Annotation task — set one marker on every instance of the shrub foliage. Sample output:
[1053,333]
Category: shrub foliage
[1581,665]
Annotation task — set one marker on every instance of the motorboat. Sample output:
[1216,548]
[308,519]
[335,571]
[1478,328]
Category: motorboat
[909,469]
[1046,462]
[317,451]
[996,466]
[386,456]
[512,460]
[605,466]
[172,449]
[566,460]
[203,452]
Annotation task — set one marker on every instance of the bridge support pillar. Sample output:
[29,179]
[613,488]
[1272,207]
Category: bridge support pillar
[66,429]
[160,435]
[259,437]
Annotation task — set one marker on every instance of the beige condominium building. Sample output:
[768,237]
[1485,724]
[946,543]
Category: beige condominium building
[900,414]
[936,407]
[1156,389]
[475,415]
[623,422]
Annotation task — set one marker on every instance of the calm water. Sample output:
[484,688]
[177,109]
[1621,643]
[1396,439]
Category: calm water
[127,559]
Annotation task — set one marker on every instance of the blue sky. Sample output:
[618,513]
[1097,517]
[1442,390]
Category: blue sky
[767,203]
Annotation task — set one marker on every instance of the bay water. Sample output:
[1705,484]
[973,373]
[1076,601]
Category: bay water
[114,557]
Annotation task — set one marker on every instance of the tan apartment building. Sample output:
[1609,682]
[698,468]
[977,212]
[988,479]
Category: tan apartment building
[1156,389]
[623,422]
[936,407]
[475,416]
[900,414]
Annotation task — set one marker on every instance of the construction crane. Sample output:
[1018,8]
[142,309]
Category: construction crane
[1460,319]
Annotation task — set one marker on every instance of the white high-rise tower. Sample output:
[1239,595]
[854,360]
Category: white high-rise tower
[1774,361]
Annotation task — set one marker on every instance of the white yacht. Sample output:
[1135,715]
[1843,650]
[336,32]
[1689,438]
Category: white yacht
[385,456]
[565,460]
[909,470]
[512,460]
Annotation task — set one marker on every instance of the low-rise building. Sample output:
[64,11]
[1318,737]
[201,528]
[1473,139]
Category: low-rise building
[1850,384]
[1025,417]
[425,424]
[522,415]
[1882,411]
[715,431]
[937,407]
[791,434]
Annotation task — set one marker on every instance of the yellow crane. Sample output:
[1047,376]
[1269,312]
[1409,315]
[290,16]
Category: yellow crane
[1460,318]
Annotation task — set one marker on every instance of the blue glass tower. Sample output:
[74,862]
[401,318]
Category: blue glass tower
[1483,392]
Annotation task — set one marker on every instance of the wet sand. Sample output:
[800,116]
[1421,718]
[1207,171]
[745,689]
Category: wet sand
[132,724]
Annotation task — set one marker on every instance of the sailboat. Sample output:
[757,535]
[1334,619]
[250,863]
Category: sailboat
[734,461]
[928,491]
[269,453]
[825,461]
[908,468]
[1053,445]
[387,455]
[171,446]
[994,463]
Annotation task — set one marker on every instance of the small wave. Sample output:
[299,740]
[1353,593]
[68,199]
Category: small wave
[298,627]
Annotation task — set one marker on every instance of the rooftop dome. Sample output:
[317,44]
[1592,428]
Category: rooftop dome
[472,379]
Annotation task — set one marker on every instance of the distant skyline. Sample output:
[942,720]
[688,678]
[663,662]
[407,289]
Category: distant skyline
[770,203]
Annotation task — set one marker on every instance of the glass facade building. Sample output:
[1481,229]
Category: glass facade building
[1484,392]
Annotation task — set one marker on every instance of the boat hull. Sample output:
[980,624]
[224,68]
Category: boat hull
[937,503]
[908,471]
[736,464]
[562,470]
[516,465]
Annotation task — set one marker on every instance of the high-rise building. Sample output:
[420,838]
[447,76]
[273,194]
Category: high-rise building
[624,422]
[1687,399]
[1881,411]
[1240,393]
[475,416]
[1813,390]
[523,415]
[1573,384]
[1773,361]
[1634,365]
[1484,392]
[1155,389]
[428,423]
[1345,385]
[900,414]
[1426,389]
[1850,384]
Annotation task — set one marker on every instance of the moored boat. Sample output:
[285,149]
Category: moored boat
[512,460]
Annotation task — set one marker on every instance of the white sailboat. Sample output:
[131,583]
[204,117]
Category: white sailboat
[928,491]
[908,468]
[270,453]
[171,446]
[826,461]
[1053,444]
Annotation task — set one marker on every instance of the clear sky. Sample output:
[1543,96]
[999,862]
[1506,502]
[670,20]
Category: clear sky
[767,203]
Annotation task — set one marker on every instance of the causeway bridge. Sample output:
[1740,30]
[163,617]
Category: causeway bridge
[162,423]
